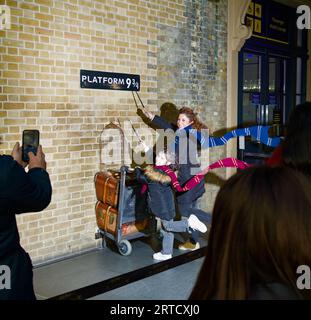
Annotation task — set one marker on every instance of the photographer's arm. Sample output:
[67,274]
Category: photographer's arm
[28,192]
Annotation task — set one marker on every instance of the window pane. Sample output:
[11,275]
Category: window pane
[272,73]
[251,72]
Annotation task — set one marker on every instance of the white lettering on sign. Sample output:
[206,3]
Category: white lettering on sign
[103,80]
[107,80]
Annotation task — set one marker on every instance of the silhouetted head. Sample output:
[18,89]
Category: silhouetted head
[300,118]
[297,144]
[169,112]
[260,234]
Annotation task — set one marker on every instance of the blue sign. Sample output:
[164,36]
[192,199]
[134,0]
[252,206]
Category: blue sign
[255,98]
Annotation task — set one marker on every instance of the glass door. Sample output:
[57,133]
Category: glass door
[277,94]
[262,99]
[252,93]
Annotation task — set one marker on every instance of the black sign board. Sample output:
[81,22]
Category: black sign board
[269,20]
[109,81]
[278,22]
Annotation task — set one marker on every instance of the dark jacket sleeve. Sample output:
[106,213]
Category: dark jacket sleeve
[161,123]
[27,192]
[140,177]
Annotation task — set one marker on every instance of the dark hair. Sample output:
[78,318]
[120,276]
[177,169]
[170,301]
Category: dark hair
[189,113]
[299,118]
[297,144]
[260,234]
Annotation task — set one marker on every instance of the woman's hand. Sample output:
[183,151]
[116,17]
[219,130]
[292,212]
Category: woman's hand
[148,114]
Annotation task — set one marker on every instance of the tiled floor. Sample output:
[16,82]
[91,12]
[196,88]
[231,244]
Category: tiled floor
[103,264]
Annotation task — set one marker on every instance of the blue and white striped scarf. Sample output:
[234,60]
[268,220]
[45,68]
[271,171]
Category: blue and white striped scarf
[259,133]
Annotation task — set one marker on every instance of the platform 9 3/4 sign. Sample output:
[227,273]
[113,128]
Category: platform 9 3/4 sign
[110,81]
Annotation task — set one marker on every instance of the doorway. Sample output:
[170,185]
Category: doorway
[263,97]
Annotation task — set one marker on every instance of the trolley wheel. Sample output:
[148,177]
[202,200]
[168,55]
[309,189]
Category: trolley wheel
[125,247]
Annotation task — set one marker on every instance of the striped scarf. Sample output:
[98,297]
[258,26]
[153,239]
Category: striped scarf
[259,133]
[190,184]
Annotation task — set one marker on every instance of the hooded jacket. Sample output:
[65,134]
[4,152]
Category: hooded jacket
[160,194]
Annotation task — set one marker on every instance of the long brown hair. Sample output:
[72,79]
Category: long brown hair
[189,113]
[260,234]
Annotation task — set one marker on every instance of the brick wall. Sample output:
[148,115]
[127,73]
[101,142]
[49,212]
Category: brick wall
[179,49]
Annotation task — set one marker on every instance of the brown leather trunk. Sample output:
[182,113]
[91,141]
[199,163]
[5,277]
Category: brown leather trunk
[107,188]
[136,226]
[106,217]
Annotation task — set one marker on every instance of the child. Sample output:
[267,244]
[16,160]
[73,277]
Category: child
[162,204]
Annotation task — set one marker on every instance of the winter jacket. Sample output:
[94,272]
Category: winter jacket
[160,195]
[20,192]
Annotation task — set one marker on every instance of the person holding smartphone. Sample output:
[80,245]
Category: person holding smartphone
[20,192]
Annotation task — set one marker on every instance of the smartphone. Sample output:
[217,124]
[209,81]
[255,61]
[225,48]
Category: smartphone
[30,143]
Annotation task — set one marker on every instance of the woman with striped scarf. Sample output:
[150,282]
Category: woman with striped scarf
[190,132]
[188,166]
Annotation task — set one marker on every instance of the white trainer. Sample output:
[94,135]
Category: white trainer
[196,224]
[161,257]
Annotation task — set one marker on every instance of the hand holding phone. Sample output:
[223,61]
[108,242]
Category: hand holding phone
[17,154]
[38,160]
[35,161]
[30,143]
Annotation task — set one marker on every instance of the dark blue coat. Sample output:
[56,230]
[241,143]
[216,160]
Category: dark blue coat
[184,172]
[160,196]
[20,192]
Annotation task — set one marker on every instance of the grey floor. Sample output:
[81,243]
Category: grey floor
[101,264]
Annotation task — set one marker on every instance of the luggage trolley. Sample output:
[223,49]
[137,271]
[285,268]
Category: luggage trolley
[122,212]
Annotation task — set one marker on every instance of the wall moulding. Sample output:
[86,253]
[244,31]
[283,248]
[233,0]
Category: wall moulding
[238,33]
[236,16]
